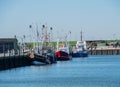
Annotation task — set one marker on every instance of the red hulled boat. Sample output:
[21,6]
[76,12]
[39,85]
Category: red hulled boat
[62,52]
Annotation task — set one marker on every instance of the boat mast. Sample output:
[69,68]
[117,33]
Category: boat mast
[81,35]
[51,35]
[32,35]
[43,33]
[57,44]
[37,35]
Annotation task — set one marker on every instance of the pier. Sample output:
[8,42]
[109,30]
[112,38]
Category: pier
[104,51]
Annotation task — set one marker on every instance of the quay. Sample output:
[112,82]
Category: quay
[7,62]
[104,50]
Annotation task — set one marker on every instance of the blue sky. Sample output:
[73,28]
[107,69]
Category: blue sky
[98,19]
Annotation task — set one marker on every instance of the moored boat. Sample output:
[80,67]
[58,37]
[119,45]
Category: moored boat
[80,50]
[62,52]
[43,52]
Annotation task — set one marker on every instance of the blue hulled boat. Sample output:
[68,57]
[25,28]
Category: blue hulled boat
[80,49]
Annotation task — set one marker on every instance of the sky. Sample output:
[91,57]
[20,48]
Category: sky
[97,19]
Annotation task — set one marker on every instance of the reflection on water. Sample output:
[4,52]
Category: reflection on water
[94,71]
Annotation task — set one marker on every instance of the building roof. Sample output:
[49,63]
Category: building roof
[8,40]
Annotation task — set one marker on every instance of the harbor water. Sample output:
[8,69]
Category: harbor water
[92,71]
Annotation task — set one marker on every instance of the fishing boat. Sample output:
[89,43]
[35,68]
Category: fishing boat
[80,50]
[62,52]
[47,58]
[43,52]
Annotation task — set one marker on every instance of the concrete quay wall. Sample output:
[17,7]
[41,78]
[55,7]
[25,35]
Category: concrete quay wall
[7,62]
[104,51]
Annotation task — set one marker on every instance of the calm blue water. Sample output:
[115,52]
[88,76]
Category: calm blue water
[94,71]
